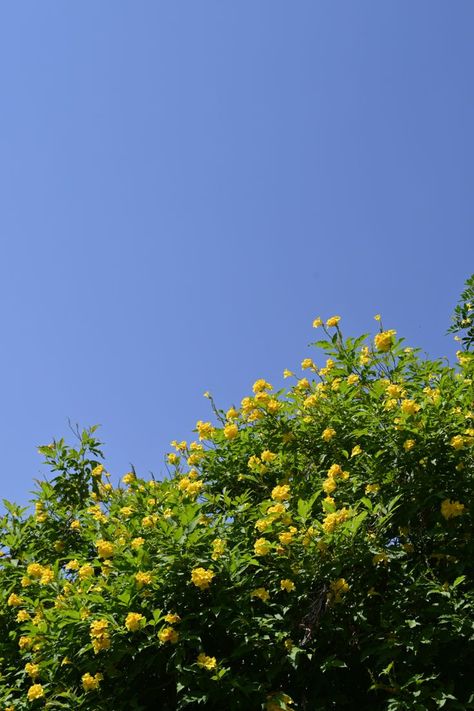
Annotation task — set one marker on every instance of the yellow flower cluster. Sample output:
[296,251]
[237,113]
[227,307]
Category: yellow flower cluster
[35,692]
[328,434]
[202,578]
[372,488]
[255,464]
[231,431]
[334,519]
[281,492]
[32,670]
[262,546]
[14,600]
[286,537]
[91,683]
[99,635]
[218,548]
[384,340]
[337,589]
[189,486]
[206,662]
[168,634]
[142,579]
[43,573]
[261,593]
[261,385]
[451,509]
[105,549]
[134,621]
[410,407]
[205,430]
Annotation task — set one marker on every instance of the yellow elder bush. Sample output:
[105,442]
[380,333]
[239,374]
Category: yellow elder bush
[315,548]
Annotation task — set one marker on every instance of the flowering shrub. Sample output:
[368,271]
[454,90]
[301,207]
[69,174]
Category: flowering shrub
[311,550]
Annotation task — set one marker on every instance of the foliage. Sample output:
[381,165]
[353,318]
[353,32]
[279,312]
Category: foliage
[312,550]
[462,319]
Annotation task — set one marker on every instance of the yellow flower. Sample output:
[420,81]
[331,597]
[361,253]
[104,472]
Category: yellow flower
[206,662]
[47,576]
[260,385]
[173,458]
[202,578]
[287,373]
[256,465]
[105,549]
[32,670]
[25,642]
[384,340]
[372,488]
[328,434]
[142,579]
[457,442]
[451,509]
[262,546]
[14,600]
[334,471]
[91,683]
[268,456]
[276,509]
[329,485]
[333,321]
[281,493]
[231,431]
[97,471]
[303,384]
[35,692]
[218,548]
[286,537]
[394,390]
[409,407]
[364,357]
[172,618]
[126,511]
[409,444]
[377,317]
[205,430]
[85,571]
[168,634]
[356,450]
[273,406]
[317,322]
[380,558]
[34,570]
[100,637]
[22,616]
[129,478]
[232,413]
[352,379]
[307,363]
[137,542]
[134,621]
[287,585]
[332,520]
[261,593]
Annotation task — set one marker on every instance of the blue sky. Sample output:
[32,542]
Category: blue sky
[186,185]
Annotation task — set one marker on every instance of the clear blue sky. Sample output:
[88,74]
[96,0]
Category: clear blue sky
[186,185]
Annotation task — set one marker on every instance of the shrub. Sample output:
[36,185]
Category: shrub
[311,550]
